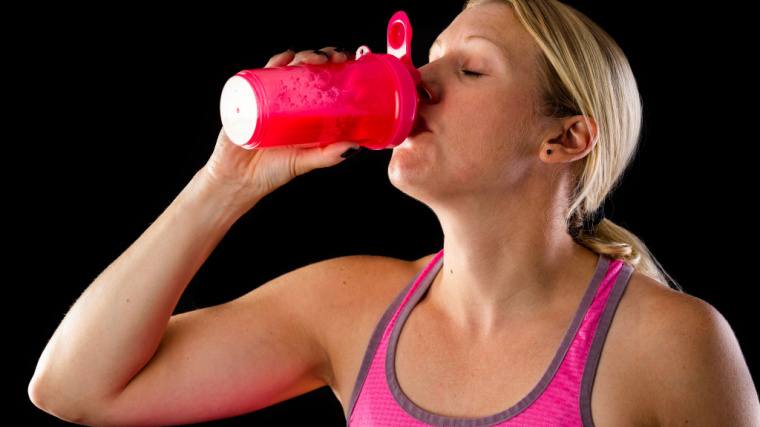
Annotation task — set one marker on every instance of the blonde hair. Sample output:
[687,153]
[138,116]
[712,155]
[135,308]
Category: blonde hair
[584,72]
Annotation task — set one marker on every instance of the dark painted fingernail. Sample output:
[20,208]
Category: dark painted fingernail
[350,152]
[341,50]
[319,52]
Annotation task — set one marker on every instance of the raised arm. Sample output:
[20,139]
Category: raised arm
[118,357]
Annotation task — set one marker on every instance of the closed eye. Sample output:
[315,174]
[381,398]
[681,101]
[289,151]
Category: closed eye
[471,73]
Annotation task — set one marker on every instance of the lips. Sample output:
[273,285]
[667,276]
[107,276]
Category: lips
[420,126]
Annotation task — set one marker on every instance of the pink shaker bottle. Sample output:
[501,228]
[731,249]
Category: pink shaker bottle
[371,100]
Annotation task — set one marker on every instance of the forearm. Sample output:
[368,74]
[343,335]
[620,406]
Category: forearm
[114,328]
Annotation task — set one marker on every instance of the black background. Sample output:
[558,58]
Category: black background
[115,107]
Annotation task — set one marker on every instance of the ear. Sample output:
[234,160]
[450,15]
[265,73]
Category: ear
[572,140]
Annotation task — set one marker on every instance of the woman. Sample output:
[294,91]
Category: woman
[528,116]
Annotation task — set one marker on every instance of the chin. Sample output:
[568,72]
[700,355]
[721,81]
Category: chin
[412,172]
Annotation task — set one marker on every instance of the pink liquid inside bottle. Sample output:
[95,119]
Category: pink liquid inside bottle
[371,100]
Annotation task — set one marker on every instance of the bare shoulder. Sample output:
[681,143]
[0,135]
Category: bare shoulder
[678,358]
[341,292]
[340,301]
[353,283]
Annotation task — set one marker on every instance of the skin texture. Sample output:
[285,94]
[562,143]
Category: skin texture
[511,276]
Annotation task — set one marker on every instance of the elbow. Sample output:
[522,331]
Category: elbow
[67,405]
[45,397]
[70,397]
[38,391]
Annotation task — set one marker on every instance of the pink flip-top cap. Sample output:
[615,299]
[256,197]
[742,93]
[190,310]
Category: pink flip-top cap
[399,60]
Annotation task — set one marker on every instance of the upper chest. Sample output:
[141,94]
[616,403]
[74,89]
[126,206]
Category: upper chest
[452,371]
[447,370]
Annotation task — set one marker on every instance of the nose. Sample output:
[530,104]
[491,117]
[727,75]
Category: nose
[428,89]
[423,93]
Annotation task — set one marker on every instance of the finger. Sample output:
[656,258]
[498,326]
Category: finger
[341,55]
[281,59]
[314,57]
[338,54]
[322,56]
[323,157]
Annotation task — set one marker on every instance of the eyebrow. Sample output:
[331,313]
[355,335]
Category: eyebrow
[437,42]
[501,48]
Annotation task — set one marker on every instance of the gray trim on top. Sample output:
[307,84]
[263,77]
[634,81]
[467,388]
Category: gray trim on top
[592,360]
[441,421]
[374,342]
[437,420]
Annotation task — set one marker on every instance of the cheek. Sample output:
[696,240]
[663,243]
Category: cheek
[496,142]
[487,130]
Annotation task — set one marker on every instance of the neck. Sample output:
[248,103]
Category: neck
[503,260]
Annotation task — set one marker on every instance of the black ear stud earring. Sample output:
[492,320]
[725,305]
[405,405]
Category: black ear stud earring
[548,151]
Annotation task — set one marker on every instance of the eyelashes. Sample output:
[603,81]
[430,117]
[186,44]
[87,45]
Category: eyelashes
[470,73]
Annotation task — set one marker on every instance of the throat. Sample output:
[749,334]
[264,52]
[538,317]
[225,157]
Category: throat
[486,292]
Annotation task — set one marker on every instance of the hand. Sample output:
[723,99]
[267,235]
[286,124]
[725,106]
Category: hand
[314,57]
[251,174]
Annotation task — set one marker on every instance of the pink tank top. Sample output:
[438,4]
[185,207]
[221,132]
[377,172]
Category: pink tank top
[562,396]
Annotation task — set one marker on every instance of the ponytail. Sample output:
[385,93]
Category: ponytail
[615,242]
